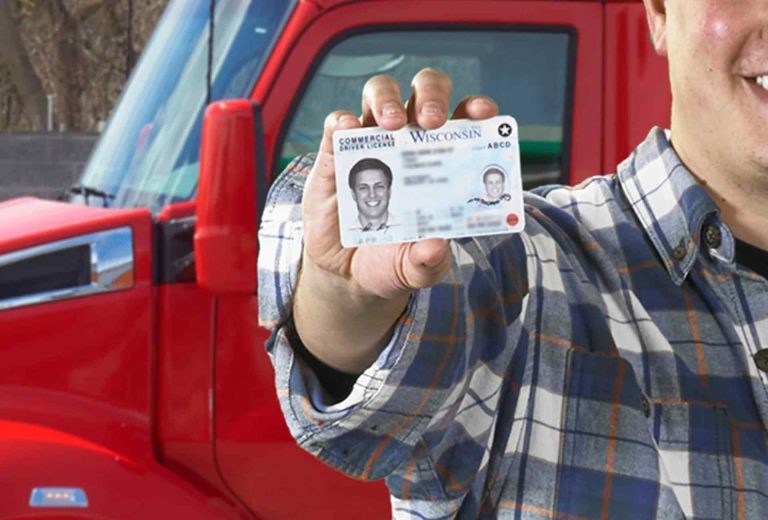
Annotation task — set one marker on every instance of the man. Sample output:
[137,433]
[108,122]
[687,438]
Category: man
[370,181]
[607,363]
[493,180]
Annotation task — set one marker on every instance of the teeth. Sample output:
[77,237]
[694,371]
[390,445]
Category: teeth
[762,81]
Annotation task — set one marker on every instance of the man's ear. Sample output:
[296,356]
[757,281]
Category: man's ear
[656,12]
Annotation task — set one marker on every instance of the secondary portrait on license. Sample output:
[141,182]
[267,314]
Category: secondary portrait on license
[462,179]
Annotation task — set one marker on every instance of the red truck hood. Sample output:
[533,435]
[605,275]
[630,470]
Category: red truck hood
[28,221]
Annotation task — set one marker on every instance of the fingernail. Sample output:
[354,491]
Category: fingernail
[391,109]
[481,102]
[431,108]
[345,118]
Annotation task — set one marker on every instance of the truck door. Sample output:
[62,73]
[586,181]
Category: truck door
[76,317]
[542,62]
[637,95]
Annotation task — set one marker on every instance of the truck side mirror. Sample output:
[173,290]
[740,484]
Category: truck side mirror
[231,193]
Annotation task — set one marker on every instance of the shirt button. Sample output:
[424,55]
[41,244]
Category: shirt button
[679,252]
[761,359]
[713,237]
[646,406]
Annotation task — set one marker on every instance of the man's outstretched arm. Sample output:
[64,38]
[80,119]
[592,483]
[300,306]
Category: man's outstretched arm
[348,300]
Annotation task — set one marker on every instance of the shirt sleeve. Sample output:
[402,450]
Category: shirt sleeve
[431,396]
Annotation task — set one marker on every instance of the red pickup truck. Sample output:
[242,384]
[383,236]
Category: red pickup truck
[134,380]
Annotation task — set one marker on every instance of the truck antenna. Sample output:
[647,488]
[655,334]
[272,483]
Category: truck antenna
[211,26]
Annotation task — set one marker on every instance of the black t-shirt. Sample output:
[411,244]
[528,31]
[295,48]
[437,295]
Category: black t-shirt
[752,257]
[339,384]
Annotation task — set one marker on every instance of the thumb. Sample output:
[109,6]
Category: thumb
[425,263]
[319,209]
[321,183]
[392,270]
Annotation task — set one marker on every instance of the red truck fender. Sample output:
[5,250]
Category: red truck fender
[114,484]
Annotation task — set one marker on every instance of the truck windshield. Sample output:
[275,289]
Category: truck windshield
[149,153]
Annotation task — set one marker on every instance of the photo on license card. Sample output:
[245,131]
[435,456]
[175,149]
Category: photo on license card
[462,179]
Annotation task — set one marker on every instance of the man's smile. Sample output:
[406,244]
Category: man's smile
[759,85]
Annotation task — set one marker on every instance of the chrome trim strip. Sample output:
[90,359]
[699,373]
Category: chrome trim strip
[111,266]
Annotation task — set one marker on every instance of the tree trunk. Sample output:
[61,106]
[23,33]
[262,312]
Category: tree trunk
[70,62]
[23,75]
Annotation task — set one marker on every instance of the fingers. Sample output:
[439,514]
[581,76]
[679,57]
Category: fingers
[476,107]
[430,98]
[427,107]
[382,103]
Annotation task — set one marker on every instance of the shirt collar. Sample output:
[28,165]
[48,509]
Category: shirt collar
[670,204]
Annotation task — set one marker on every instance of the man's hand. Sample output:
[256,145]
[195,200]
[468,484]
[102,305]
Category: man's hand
[348,300]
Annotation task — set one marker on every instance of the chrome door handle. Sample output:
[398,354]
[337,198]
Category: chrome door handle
[110,266]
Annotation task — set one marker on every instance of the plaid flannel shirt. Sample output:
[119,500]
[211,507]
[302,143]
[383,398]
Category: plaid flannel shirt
[598,365]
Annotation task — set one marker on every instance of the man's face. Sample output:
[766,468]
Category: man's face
[371,193]
[717,50]
[494,185]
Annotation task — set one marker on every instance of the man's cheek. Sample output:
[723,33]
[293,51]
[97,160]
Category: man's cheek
[716,23]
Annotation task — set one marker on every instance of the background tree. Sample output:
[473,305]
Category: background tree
[79,51]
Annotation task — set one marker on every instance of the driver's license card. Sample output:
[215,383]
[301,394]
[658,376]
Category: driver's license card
[462,179]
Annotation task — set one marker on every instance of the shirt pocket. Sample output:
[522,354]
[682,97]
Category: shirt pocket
[608,460]
[695,445]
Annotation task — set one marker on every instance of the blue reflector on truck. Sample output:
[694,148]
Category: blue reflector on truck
[58,497]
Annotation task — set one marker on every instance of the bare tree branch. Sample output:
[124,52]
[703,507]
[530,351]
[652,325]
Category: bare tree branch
[82,9]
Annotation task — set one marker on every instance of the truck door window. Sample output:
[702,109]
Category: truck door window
[528,71]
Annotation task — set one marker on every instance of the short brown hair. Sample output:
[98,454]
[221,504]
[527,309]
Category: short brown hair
[369,163]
